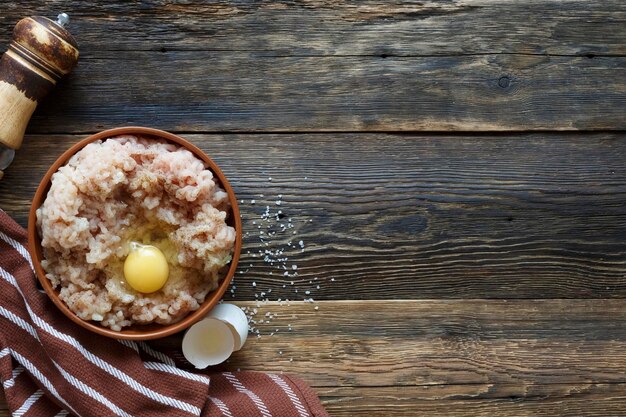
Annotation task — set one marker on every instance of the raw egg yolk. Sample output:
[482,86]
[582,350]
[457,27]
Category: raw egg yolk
[145,268]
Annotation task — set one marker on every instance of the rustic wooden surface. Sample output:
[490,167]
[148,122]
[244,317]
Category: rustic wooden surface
[471,255]
[429,216]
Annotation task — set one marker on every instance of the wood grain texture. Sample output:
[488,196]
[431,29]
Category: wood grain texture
[341,66]
[598,400]
[580,400]
[317,27]
[476,232]
[400,216]
[439,342]
[217,92]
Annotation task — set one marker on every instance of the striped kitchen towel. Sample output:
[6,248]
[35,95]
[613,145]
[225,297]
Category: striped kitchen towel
[51,367]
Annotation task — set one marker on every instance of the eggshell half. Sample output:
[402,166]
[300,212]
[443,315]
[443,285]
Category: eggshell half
[208,342]
[236,320]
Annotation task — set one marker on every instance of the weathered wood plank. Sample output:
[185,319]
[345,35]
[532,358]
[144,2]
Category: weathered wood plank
[477,400]
[456,357]
[342,28]
[434,342]
[519,216]
[206,91]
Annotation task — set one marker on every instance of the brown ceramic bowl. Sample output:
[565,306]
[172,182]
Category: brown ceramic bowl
[135,332]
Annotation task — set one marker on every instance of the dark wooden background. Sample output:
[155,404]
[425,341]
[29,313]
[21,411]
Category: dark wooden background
[465,182]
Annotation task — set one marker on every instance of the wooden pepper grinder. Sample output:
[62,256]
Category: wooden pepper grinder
[42,51]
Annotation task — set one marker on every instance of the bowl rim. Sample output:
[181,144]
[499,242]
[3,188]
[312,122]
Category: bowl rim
[34,244]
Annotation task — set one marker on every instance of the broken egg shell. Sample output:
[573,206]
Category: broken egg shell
[208,342]
[236,320]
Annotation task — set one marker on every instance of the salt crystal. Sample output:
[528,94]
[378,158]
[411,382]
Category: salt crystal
[252,201]
[269,179]
[294,267]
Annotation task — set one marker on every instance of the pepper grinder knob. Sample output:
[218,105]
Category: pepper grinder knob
[41,52]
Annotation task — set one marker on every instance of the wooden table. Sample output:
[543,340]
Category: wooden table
[455,170]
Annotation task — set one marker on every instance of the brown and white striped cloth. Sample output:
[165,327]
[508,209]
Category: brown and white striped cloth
[51,367]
